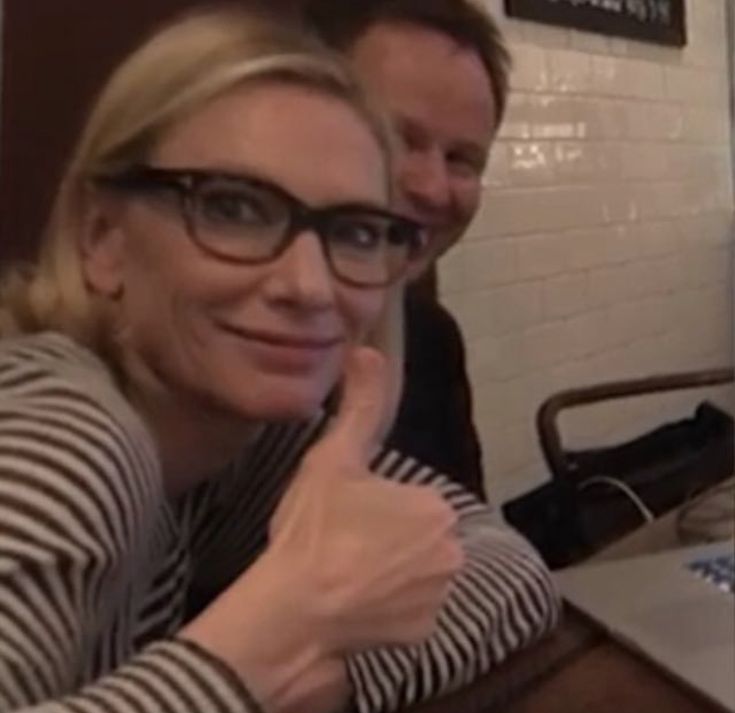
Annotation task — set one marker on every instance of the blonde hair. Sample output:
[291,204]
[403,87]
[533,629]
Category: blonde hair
[178,70]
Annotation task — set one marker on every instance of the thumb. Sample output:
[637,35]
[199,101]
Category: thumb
[358,423]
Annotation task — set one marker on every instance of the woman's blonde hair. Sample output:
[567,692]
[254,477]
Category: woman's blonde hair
[177,71]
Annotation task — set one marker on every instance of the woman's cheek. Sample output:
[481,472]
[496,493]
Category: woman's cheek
[362,310]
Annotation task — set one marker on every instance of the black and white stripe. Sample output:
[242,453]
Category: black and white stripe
[95,564]
[92,567]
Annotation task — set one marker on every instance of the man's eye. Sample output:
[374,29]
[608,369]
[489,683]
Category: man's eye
[466,165]
[411,137]
[411,141]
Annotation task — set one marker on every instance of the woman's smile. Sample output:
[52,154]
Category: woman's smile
[282,350]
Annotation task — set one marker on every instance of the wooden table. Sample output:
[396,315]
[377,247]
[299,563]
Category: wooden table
[608,678]
[579,668]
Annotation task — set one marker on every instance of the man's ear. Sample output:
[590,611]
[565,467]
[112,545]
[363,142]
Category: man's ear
[102,245]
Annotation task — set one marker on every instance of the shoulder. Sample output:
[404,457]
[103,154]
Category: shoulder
[50,372]
[75,462]
[433,337]
[429,315]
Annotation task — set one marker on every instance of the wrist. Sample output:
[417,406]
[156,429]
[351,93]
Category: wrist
[262,632]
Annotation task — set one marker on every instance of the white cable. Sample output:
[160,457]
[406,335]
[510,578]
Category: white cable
[645,513]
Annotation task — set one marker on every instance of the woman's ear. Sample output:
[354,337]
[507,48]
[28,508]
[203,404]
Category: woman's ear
[102,245]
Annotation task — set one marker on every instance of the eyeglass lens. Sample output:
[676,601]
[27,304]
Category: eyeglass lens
[245,221]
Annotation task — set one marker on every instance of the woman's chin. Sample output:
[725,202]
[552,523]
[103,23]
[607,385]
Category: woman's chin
[282,400]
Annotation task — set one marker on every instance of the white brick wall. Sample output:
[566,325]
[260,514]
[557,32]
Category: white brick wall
[604,245]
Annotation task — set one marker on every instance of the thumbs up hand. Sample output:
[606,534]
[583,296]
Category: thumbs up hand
[354,561]
[374,557]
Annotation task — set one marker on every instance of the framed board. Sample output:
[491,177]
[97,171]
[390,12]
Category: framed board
[659,21]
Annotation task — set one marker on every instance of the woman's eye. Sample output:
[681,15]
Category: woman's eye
[357,235]
[411,238]
[234,208]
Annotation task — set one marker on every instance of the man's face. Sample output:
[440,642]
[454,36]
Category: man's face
[439,97]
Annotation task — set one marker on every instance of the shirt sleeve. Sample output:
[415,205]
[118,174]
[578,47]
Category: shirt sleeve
[73,517]
[502,601]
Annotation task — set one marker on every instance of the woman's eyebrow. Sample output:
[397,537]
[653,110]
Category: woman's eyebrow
[354,205]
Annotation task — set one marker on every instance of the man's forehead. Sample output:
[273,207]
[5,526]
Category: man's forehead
[400,45]
[423,75]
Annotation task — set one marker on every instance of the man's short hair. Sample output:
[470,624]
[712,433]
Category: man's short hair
[340,23]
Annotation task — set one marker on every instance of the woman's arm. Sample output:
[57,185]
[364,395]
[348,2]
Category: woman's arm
[77,499]
[502,601]
[80,502]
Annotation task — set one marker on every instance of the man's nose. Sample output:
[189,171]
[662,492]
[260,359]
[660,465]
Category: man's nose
[302,275]
[424,180]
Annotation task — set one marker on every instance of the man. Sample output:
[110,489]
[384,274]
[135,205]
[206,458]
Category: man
[440,69]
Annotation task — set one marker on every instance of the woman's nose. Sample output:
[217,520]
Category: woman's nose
[301,275]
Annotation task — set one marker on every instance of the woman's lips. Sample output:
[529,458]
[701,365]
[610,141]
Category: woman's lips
[281,350]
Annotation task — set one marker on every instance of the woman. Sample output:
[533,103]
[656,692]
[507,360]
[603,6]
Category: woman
[220,256]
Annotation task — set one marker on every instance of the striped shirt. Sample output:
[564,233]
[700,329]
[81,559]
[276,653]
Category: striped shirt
[97,566]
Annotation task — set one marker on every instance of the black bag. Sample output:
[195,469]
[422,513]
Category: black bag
[664,467]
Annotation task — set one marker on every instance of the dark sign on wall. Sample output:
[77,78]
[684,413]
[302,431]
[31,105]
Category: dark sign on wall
[661,21]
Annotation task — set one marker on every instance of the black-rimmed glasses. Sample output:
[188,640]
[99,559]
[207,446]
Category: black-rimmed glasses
[248,220]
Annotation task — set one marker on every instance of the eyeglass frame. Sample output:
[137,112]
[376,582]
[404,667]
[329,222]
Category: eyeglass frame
[185,182]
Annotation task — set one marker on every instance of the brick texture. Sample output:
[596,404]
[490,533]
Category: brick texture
[604,246]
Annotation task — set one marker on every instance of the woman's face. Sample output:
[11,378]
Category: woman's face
[262,341]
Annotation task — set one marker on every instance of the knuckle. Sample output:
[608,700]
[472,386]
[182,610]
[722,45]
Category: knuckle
[427,509]
[450,558]
[428,498]
[427,623]
[443,513]
[451,517]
